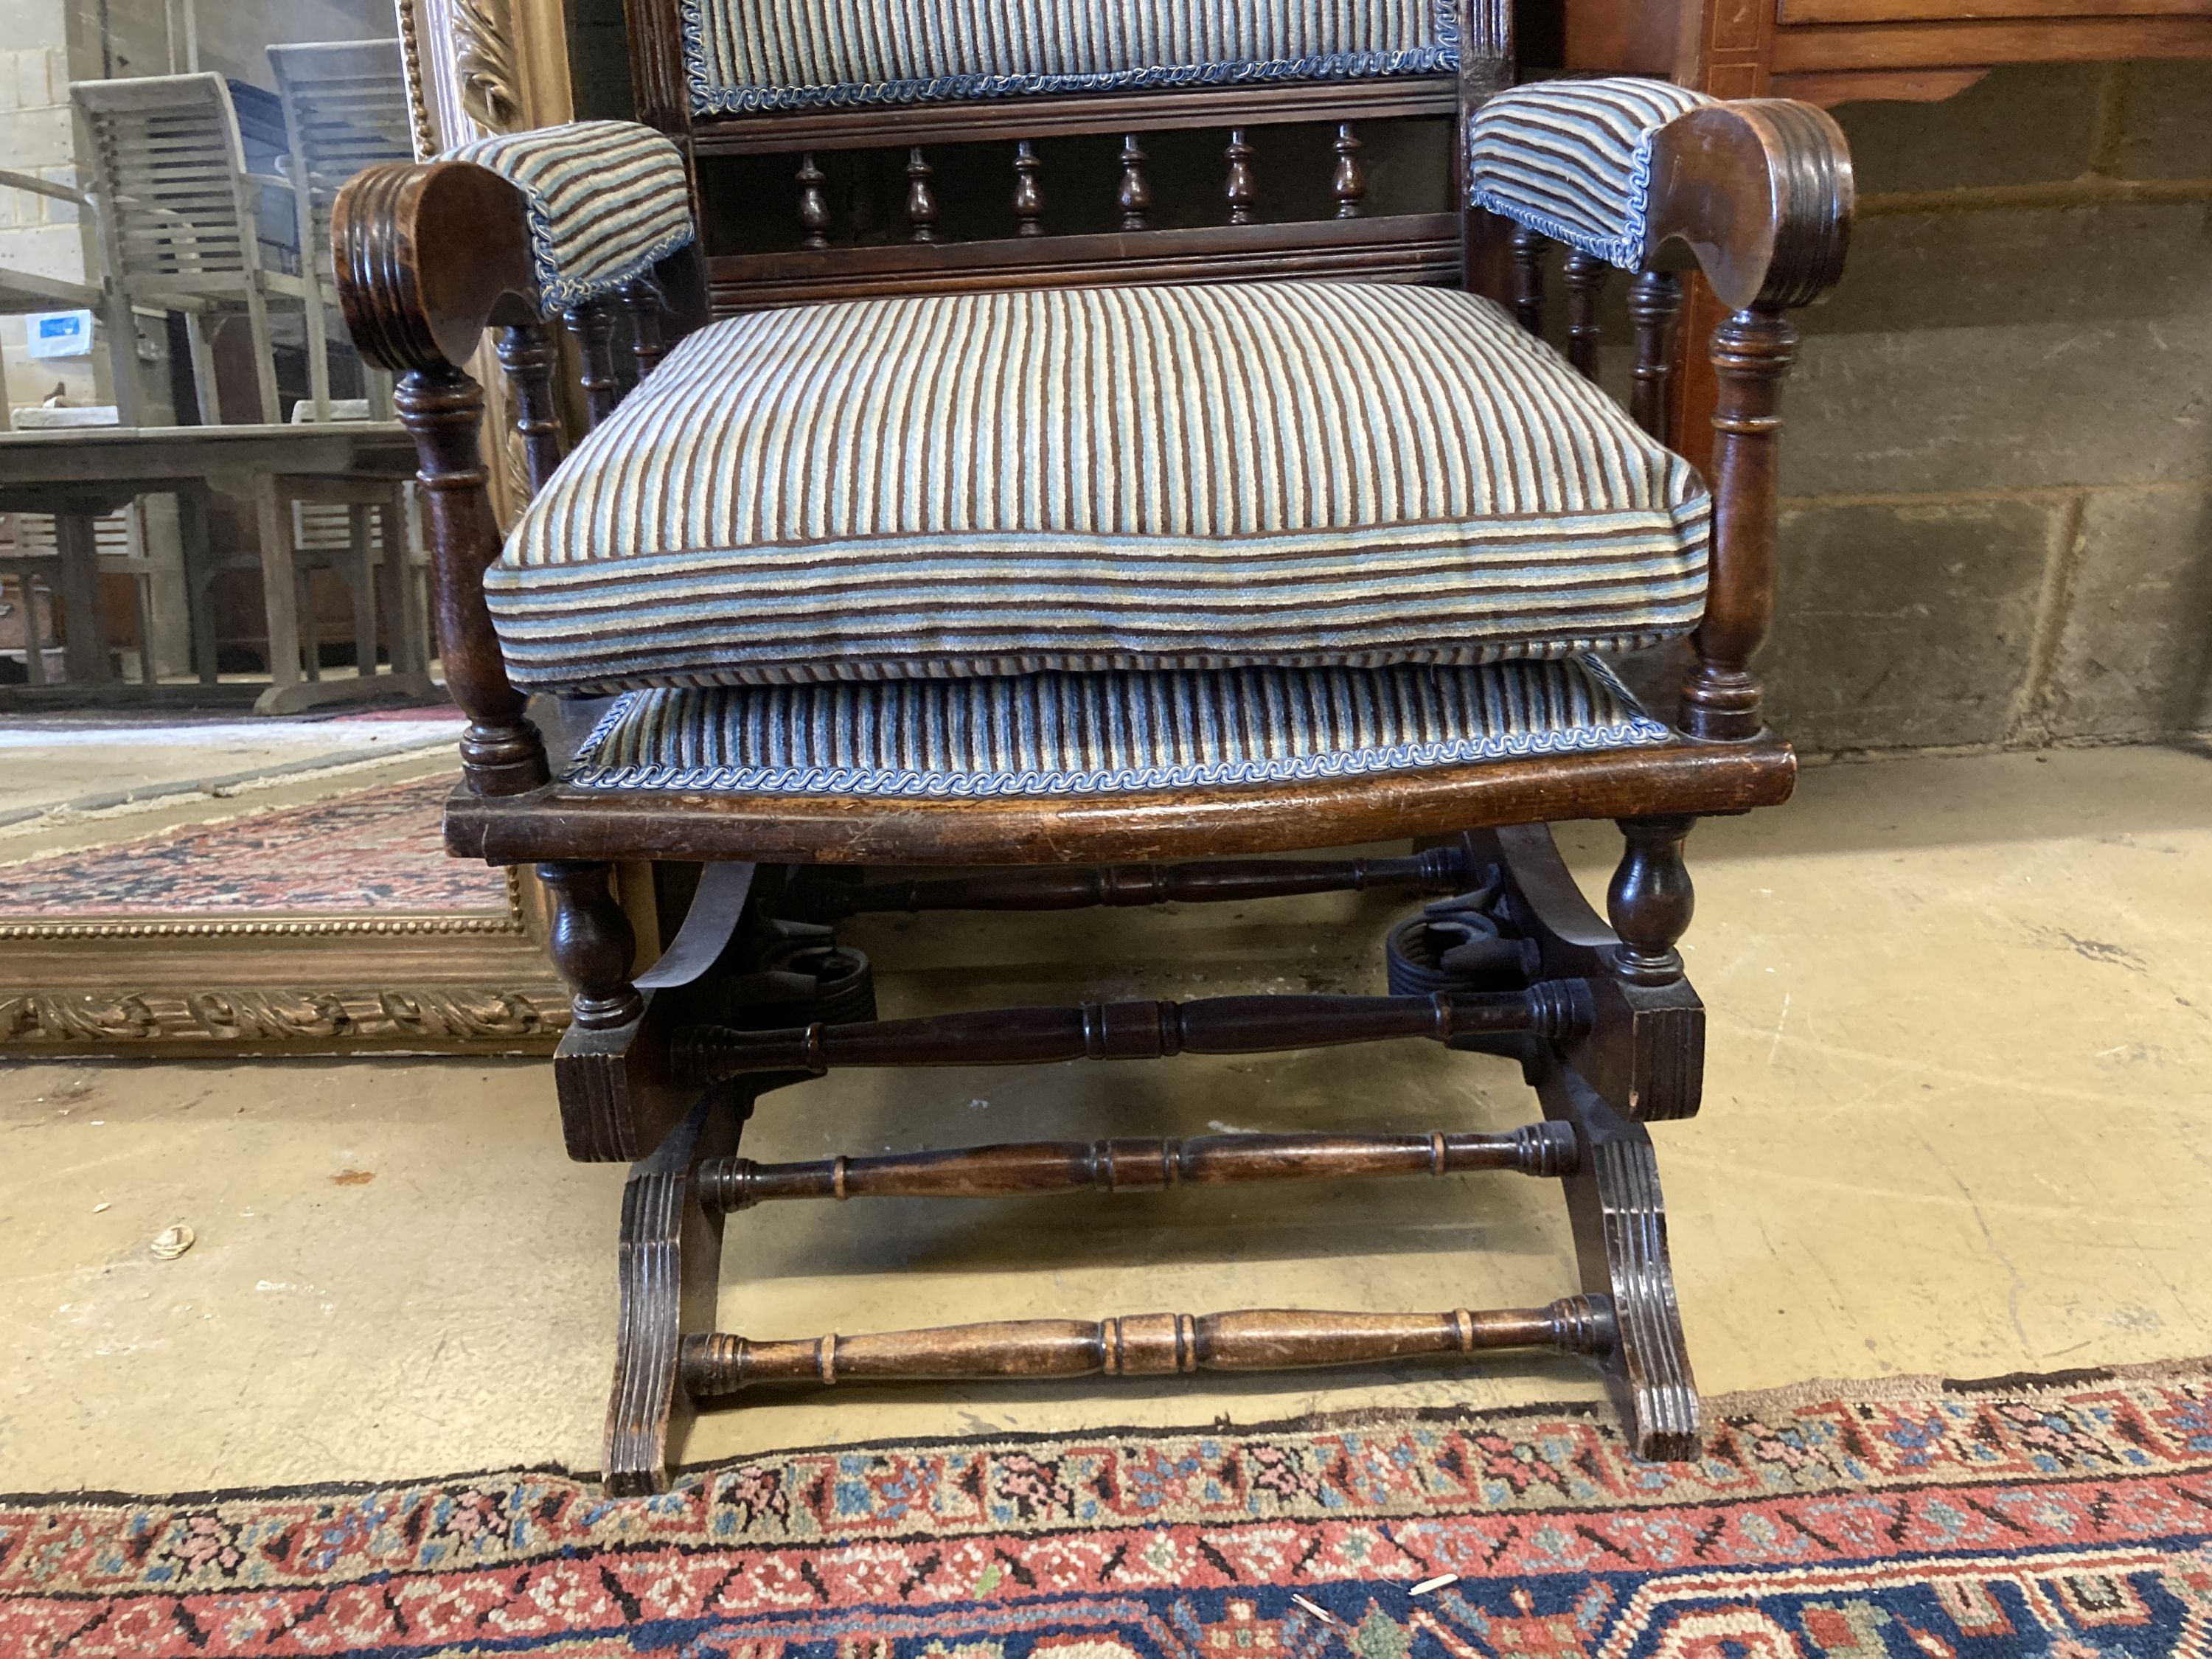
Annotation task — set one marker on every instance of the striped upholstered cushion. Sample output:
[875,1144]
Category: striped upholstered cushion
[1099,478]
[1083,734]
[608,199]
[785,54]
[1572,159]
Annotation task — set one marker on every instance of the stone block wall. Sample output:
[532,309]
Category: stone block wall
[38,233]
[1998,459]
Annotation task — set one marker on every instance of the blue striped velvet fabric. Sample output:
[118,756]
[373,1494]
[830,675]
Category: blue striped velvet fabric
[608,200]
[1322,473]
[796,54]
[1572,159]
[1093,734]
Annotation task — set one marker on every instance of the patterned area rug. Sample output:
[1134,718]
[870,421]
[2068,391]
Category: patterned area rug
[378,850]
[1946,1521]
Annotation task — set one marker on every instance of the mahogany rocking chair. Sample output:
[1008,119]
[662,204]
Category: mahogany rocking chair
[1080,551]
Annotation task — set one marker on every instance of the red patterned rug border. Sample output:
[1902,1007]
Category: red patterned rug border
[2059,1506]
[1720,1411]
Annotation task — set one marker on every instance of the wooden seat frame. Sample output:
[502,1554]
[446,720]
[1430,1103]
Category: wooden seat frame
[662,1069]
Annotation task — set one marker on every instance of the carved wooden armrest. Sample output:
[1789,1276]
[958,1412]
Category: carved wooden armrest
[1759,191]
[428,256]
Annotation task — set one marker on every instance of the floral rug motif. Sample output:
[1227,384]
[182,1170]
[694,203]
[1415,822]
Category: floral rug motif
[377,851]
[1940,1522]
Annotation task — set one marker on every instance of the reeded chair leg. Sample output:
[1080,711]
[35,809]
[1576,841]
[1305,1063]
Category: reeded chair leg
[1620,1220]
[667,1270]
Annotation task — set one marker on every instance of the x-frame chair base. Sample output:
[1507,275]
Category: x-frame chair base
[1609,1033]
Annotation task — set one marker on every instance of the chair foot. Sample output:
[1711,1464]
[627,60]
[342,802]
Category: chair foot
[667,1267]
[1619,1220]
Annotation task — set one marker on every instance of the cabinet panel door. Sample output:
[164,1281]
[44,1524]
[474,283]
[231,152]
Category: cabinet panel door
[1952,11]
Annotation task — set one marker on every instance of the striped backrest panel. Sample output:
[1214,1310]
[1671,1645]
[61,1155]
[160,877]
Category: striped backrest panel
[783,54]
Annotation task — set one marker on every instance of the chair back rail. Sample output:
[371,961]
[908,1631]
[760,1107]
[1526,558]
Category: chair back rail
[171,177]
[1030,228]
[345,109]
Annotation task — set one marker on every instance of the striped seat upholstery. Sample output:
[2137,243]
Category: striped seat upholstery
[608,201]
[794,54]
[1572,159]
[1093,734]
[1323,474]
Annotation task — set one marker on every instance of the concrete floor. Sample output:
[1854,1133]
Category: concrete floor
[54,766]
[1958,1120]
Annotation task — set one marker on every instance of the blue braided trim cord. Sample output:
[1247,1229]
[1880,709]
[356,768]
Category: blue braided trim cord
[1106,734]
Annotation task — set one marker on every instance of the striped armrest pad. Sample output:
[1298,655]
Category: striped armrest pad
[1572,159]
[1106,734]
[796,54]
[608,200]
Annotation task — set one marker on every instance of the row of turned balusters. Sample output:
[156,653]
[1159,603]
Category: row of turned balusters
[1654,306]
[1134,196]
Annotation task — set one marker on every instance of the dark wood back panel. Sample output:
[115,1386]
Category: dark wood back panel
[841,204]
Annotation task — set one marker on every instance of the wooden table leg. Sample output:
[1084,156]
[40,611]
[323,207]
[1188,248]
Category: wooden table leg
[363,584]
[84,620]
[392,585]
[279,595]
[199,575]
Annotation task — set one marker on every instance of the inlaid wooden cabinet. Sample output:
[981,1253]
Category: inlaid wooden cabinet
[1830,50]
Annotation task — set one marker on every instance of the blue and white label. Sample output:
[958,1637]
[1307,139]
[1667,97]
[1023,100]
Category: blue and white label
[59,333]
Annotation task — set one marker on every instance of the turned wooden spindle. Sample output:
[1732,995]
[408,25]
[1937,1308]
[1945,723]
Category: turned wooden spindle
[529,354]
[1752,352]
[921,198]
[1527,248]
[648,345]
[1545,1150]
[1349,183]
[1141,1345]
[1557,1010]
[1029,194]
[1243,186]
[592,943]
[1135,198]
[1651,900]
[594,326]
[501,753]
[813,205]
[1435,870]
[1654,306]
[1585,279]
